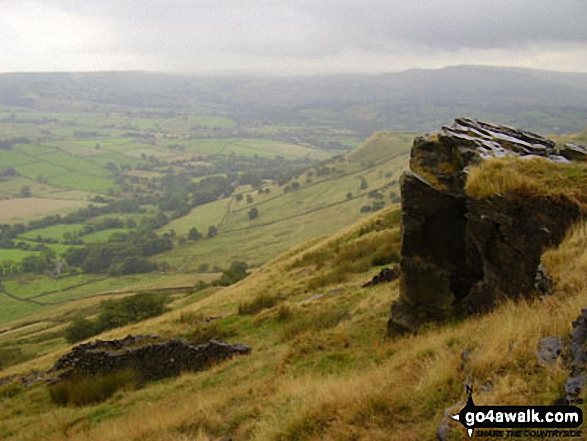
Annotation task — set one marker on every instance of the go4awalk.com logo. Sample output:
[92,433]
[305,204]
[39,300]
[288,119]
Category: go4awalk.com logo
[520,421]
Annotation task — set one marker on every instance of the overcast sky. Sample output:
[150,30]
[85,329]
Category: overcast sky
[290,36]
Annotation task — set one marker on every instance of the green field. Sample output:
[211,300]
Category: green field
[200,217]
[15,254]
[250,147]
[317,208]
[52,232]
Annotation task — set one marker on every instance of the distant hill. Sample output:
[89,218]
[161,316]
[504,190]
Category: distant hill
[412,100]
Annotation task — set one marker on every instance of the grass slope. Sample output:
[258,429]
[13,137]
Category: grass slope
[321,367]
[320,206]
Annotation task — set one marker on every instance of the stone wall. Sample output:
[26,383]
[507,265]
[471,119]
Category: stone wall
[152,358]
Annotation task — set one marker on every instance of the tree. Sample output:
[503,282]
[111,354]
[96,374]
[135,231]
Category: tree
[253,213]
[194,234]
[236,272]
[364,184]
[80,329]
[212,231]
[25,191]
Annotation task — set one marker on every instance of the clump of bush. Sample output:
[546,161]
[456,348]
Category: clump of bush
[262,301]
[237,271]
[81,390]
[115,313]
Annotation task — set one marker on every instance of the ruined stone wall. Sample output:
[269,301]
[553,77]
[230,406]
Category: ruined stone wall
[151,358]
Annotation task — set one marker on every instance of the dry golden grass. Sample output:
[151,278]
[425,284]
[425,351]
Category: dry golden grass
[19,210]
[340,382]
[533,176]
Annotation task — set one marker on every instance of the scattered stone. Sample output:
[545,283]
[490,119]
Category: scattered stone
[543,282]
[313,297]
[443,432]
[574,152]
[214,317]
[578,350]
[384,276]
[573,388]
[549,350]
[7,380]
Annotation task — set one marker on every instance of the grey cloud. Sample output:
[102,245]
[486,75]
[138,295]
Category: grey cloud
[189,34]
[306,28]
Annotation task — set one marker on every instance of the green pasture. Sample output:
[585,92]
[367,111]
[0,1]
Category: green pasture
[249,147]
[200,217]
[12,158]
[59,248]
[37,169]
[74,163]
[52,232]
[83,182]
[15,254]
[33,151]
[11,309]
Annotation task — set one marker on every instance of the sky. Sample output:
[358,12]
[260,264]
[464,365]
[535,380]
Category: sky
[290,37]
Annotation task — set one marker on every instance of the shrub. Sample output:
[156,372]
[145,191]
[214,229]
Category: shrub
[236,272]
[81,391]
[80,329]
[253,213]
[115,313]
[194,234]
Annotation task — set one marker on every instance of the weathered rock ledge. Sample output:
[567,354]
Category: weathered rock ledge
[460,254]
[152,358]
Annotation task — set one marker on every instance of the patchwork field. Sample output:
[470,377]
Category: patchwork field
[24,209]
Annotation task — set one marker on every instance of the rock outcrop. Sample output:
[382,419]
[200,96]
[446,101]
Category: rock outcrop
[461,254]
[386,275]
[152,358]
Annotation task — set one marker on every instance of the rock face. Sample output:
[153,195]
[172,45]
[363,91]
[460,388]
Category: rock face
[152,358]
[462,255]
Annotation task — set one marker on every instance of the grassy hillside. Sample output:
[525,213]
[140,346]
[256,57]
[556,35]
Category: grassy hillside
[317,203]
[321,367]
[325,199]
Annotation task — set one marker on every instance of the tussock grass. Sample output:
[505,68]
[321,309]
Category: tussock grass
[262,301]
[81,391]
[532,177]
[315,321]
[323,370]
[9,390]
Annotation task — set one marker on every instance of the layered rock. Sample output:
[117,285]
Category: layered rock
[461,254]
[152,358]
